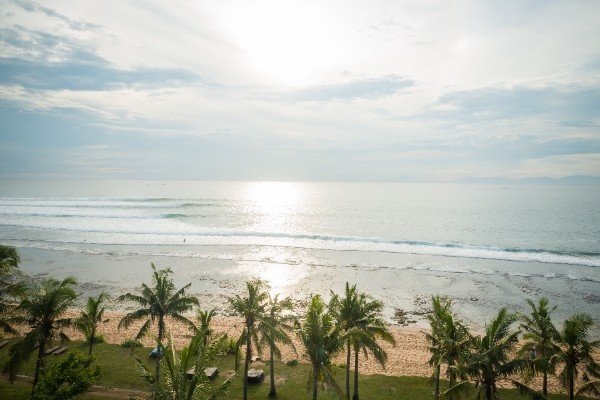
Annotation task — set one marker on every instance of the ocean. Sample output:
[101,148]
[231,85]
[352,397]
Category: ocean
[486,246]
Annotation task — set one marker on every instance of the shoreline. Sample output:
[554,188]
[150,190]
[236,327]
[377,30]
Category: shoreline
[406,286]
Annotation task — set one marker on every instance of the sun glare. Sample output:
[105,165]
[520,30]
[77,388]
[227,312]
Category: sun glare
[275,208]
[274,198]
[289,45]
[276,269]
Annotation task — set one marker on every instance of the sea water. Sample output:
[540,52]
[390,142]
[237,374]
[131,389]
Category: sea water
[485,245]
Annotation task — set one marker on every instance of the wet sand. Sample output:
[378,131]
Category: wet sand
[409,285]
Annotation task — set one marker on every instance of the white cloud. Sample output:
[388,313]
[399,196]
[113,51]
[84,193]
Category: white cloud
[406,85]
[559,166]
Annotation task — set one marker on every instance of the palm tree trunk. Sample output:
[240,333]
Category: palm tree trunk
[247,361]
[571,380]
[315,382]
[39,362]
[159,346]
[355,394]
[93,334]
[273,391]
[451,381]
[437,382]
[348,371]
[545,385]
[488,392]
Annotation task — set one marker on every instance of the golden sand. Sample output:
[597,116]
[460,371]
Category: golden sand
[409,357]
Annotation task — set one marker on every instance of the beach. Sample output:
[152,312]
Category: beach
[411,345]
[483,246]
[408,357]
[406,282]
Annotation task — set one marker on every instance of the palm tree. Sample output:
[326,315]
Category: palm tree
[185,371]
[456,344]
[274,328]
[439,308]
[204,329]
[252,308]
[42,309]
[160,300]
[91,315]
[321,339]
[538,348]
[346,313]
[575,352]
[491,360]
[450,343]
[10,287]
[370,328]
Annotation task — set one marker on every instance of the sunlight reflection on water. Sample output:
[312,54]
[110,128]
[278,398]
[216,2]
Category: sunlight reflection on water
[276,206]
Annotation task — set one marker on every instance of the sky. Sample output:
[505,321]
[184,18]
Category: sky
[299,90]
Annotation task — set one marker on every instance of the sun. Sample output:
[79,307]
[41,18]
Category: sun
[290,43]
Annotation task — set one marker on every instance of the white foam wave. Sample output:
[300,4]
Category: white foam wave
[171,231]
[66,212]
[126,203]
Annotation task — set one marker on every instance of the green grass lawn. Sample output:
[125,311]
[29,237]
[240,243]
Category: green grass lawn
[21,391]
[120,370]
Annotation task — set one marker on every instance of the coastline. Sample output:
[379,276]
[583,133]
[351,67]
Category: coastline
[407,285]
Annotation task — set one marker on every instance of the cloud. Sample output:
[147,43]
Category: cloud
[371,88]
[34,7]
[97,146]
[81,75]
[577,124]
[232,91]
[22,43]
[55,62]
[587,164]
[564,105]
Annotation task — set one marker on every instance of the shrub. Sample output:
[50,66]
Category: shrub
[131,343]
[291,363]
[98,339]
[66,378]
[227,346]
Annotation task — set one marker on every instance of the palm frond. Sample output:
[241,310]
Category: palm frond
[134,298]
[133,316]
[220,392]
[330,380]
[460,389]
[20,352]
[183,320]
[591,388]
[143,330]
